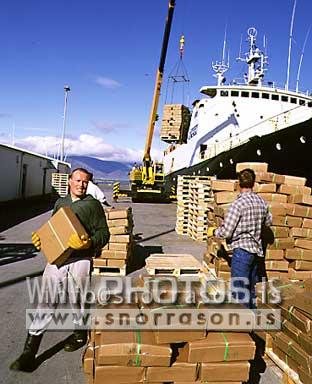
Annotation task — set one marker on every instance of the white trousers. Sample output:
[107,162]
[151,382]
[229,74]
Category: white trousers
[61,285]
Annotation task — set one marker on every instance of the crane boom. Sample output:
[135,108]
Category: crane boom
[158,82]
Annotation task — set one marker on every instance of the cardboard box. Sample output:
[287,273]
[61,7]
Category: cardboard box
[296,317]
[133,354]
[176,336]
[276,265]
[126,337]
[303,301]
[303,243]
[110,254]
[274,254]
[120,230]
[287,360]
[282,243]
[298,210]
[306,223]
[88,359]
[231,371]
[299,275]
[178,371]
[54,235]
[304,376]
[301,232]
[255,166]
[222,346]
[280,231]
[270,177]
[123,247]
[294,189]
[305,342]
[118,374]
[119,223]
[294,180]
[120,238]
[119,214]
[301,265]
[298,254]
[277,275]
[274,197]
[223,185]
[300,199]
[290,330]
[277,209]
[225,197]
[265,188]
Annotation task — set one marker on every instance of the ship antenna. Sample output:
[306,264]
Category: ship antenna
[290,43]
[220,67]
[301,59]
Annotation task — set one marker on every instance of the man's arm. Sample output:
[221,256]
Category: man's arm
[100,235]
[268,218]
[230,222]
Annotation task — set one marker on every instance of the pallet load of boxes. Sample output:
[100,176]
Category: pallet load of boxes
[288,243]
[175,123]
[116,255]
[172,355]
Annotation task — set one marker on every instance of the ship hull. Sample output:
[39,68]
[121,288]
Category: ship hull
[293,158]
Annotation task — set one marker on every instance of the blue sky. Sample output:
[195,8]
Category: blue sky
[108,52]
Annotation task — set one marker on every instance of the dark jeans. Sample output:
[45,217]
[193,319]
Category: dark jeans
[244,265]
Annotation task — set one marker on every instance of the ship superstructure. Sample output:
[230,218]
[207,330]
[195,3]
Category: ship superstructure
[231,117]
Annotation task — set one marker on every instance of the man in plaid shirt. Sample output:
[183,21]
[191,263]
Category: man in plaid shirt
[242,230]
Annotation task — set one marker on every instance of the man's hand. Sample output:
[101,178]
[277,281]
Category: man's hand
[78,243]
[35,239]
[211,231]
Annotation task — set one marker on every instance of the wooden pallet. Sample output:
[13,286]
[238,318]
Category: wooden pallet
[288,375]
[109,271]
[172,264]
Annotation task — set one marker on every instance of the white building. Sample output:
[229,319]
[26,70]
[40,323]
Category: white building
[26,174]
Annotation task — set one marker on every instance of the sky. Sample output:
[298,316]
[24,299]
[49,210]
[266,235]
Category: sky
[108,53]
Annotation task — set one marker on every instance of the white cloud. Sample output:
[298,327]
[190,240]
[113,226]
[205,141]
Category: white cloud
[84,145]
[107,82]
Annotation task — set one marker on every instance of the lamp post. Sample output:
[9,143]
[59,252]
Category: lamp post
[66,90]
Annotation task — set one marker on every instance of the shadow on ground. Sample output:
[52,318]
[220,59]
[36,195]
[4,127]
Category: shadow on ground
[11,253]
[258,365]
[15,212]
[140,253]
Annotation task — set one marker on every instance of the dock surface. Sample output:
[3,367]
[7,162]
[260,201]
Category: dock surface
[154,232]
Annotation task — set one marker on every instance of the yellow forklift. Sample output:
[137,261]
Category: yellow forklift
[147,182]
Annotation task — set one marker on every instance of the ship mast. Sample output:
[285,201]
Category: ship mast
[220,67]
[255,59]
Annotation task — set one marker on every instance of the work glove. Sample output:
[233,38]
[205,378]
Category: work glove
[35,239]
[78,243]
[211,231]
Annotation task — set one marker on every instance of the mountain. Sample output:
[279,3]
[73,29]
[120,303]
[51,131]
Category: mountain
[113,170]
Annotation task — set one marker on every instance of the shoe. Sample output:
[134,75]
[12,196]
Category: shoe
[27,360]
[77,340]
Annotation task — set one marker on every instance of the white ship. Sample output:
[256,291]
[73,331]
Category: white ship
[248,121]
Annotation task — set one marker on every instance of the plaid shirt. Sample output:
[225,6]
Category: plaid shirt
[243,222]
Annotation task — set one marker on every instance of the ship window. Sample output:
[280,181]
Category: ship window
[275,97]
[284,98]
[265,96]
[310,104]
[224,93]
[201,105]
[234,93]
[301,102]
[245,94]
[293,100]
[255,94]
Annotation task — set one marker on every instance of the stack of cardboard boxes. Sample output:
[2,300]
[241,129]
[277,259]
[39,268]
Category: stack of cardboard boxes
[288,243]
[117,253]
[175,123]
[293,344]
[175,355]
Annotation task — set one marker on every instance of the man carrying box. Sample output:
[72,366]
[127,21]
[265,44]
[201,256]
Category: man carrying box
[75,269]
[242,230]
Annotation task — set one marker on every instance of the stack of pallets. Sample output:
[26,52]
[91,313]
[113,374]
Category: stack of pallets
[175,123]
[184,200]
[200,199]
[60,184]
[117,253]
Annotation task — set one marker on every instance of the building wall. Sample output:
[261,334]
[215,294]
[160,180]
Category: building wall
[25,174]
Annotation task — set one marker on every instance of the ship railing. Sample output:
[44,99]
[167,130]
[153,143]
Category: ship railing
[272,124]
